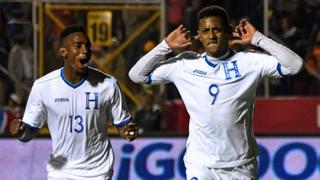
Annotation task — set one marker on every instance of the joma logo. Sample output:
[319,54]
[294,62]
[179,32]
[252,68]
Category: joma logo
[200,72]
[61,99]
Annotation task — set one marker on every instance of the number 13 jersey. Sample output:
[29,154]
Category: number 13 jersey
[77,116]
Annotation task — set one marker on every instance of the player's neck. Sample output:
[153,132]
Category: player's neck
[226,55]
[73,76]
[223,56]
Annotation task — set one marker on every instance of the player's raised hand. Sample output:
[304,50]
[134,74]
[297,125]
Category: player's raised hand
[243,33]
[180,38]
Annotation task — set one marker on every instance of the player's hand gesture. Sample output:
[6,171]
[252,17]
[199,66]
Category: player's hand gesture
[180,38]
[129,131]
[243,33]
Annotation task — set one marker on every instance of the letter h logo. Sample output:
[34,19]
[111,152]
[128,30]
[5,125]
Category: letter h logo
[95,100]
[227,70]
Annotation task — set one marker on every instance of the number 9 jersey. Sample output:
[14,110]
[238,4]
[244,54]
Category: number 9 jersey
[219,95]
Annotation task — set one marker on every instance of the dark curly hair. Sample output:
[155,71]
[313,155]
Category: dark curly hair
[71,29]
[214,11]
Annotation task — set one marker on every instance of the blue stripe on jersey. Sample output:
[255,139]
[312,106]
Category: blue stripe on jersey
[31,127]
[123,122]
[209,63]
[279,70]
[69,83]
[149,80]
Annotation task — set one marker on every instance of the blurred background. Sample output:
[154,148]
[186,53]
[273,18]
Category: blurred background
[287,114]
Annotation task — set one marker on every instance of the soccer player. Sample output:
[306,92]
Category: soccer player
[76,101]
[218,89]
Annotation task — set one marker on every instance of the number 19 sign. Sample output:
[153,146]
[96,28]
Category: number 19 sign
[100,27]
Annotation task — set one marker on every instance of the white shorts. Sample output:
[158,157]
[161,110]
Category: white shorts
[247,171]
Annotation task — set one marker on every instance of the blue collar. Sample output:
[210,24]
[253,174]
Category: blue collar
[209,62]
[225,56]
[74,86]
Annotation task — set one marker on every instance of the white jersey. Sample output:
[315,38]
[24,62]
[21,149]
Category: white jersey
[219,95]
[219,98]
[77,119]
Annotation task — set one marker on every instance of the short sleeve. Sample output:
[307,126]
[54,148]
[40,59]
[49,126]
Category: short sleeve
[34,114]
[119,111]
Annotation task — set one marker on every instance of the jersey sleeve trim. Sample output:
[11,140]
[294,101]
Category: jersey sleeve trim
[149,80]
[32,128]
[123,122]
[279,70]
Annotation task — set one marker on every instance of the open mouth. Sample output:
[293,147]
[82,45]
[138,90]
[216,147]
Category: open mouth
[84,61]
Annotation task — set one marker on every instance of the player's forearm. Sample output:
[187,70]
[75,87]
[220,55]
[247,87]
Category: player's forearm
[24,133]
[27,135]
[289,60]
[138,73]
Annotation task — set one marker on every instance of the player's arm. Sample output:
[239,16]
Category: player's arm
[178,39]
[290,62]
[128,131]
[22,131]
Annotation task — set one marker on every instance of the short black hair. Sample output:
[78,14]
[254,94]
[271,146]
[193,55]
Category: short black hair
[71,29]
[214,11]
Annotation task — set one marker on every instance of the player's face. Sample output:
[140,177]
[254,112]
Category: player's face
[78,48]
[214,36]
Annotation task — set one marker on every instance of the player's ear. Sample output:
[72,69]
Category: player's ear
[63,52]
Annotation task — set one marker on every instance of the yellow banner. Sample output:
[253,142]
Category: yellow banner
[100,27]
